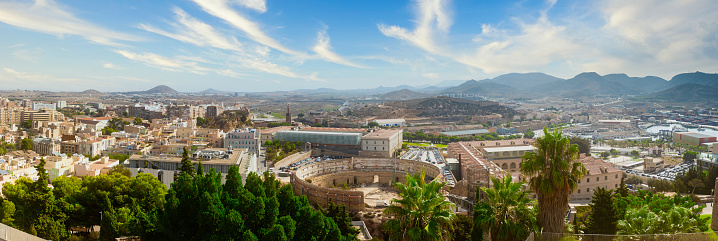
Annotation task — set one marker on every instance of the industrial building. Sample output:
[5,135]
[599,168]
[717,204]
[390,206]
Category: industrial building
[465,133]
[691,138]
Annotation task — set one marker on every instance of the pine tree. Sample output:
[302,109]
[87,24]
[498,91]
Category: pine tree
[622,189]
[186,165]
[200,169]
[603,216]
[109,226]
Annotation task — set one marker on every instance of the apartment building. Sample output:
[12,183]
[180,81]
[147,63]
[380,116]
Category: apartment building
[46,146]
[599,174]
[243,139]
[41,115]
[381,143]
[213,111]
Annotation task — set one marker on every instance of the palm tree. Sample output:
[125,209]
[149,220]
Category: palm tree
[422,213]
[554,170]
[507,215]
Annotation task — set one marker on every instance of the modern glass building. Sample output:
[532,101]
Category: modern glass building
[321,138]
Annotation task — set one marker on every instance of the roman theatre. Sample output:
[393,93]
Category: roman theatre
[323,181]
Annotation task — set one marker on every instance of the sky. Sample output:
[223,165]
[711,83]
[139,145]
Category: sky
[268,45]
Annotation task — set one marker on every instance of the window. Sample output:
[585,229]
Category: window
[616,176]
[616,185]
[605,178]
[597,179]
[588,190]
[579,190]
[588,180]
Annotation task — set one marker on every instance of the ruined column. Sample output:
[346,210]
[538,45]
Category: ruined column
[714,220]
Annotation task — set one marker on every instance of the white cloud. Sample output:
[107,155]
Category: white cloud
[48,17]
[12,78]
[324,50]
[678,36]
[30,55]
[221,9]
[193,31]
[258,5]
[533,47]
[430,75]
[432,16]
[111,66]
[166,63]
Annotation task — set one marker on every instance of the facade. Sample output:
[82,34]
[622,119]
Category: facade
[46,146]
[599,174]
[509,158]
[41,115]
[38,106]
[651,164]
[186,112]
[382,143]
[691,138]
[243,139]
[346,142]
[213,111]
[268,134]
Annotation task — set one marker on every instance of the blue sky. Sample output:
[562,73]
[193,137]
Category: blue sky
[258,45]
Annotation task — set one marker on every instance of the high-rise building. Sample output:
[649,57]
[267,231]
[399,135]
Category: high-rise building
[213,111]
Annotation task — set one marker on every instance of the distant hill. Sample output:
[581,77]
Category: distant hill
[441,106]
[586,84]
[695,78]
[483,88]
[524,81]
[648,83]
[160,89]
[684,93]
[403,94]
[91,92]
[213,91]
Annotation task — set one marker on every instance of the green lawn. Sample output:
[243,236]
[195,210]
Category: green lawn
[708,222]
[423,144]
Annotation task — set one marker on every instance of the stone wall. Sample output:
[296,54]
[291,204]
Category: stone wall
[353,200]
[292,159]
[353,171]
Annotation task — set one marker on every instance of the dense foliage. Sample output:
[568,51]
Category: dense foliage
[507,214]
[584,145]
[196,207]
[603,217]
[648,213]
[421,213]
[278,150]
[443,139]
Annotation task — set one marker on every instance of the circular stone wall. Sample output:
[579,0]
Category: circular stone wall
[353,171]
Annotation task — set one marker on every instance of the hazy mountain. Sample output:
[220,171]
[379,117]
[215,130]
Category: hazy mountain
[586,84]
[648,83]
[91,92]
[685,93]
[523,81]
[695,78]
[483,88]
[160,89]
[404,94]
[213,91]
[449,83]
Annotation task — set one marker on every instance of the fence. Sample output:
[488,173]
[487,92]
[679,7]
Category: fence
[645,237]
[10,234]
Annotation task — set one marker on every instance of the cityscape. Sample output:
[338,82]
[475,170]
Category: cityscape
[241,120]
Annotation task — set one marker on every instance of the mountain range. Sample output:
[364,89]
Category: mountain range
[523,85]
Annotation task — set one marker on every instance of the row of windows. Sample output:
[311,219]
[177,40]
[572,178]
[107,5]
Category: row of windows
[589,189]
[367,148]
[597,178]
